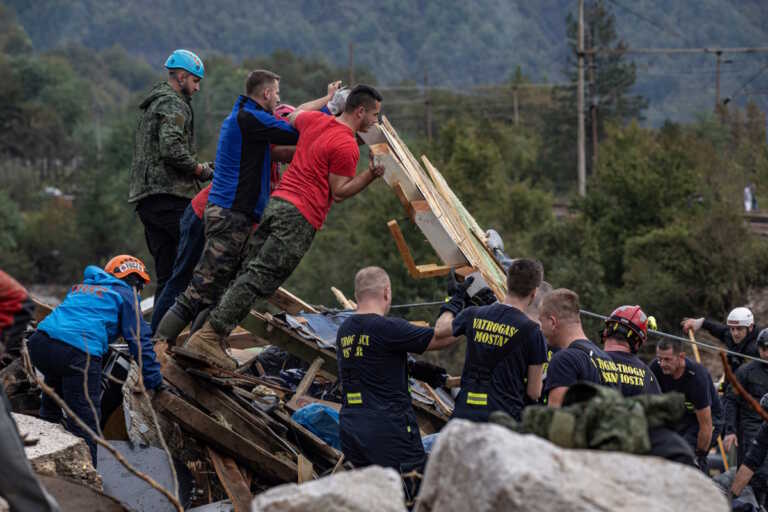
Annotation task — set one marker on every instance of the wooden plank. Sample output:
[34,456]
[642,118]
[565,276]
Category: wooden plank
[342,299]
[42,309]
[240,420]
[232,480]
[288,302]
[270,468]
[265,327]
[415,271]
[309,441]
[305,470]
[309,377]
[398,189]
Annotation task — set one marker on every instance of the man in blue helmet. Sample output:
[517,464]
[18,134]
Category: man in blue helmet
[165,172]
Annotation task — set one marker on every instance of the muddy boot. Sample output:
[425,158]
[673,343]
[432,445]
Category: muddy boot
[210,346]
[173,322]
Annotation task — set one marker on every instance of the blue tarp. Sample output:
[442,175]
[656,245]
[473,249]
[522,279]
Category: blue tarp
[321,420]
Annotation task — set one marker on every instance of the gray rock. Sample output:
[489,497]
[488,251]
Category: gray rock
[362,490]
[484,468]
[57,452]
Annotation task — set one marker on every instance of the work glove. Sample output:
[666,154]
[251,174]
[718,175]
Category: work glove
[338,101]
[432,374]
[458,295]
[702,462]
[484,297]
[206,174]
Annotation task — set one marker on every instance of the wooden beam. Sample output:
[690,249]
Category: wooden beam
[232,480]
[342,299]
[276,333]
[309,377]
[305,470]
[290,303]
[270,468]
[400,193]
[415,271]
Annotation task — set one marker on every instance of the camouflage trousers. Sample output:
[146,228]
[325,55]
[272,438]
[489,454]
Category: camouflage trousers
[274,251]
[226,239]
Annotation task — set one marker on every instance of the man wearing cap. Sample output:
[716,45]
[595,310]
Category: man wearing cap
[739,334]
[165,172]
[742,422]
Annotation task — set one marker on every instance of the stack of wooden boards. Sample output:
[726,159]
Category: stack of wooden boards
[447,225]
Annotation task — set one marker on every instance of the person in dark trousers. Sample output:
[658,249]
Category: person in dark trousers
[739,334]
[576,357]
[703,421]
[626,329]
[165,173]
[755,457]
[69,344]
[742,422]
[16,311]
[323,171]
[505,349]
[377,422]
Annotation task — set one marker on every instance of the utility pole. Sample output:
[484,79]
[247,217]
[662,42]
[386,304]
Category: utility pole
[427,108]
[593,102]
[582,162]
[351,64]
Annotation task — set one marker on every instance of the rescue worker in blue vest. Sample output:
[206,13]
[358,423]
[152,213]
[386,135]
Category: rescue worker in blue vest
[576,358]
[742,422]
[377,422]
[69,343]
[625,332]
[505,349]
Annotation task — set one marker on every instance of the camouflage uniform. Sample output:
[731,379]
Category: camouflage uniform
[274,251]
[163,173]
[226,237]
[164,159]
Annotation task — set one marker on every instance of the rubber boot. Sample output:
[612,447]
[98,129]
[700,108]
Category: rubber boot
[173,322]
[210,346]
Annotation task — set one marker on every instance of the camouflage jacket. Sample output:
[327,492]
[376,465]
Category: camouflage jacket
[164,159]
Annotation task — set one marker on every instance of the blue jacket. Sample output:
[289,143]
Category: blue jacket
[241,181]
[96,313]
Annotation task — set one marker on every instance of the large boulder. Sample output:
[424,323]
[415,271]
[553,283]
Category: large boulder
[57,452]
[363,490]
[485,467]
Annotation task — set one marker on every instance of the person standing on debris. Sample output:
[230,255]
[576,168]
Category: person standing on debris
[576,357]
[16,311]
[377,422]
[703,420]
[240,191]
[322,171]
[625,332]
[69,344]
[739,334]
[165,173]
[742,422]
[505,349]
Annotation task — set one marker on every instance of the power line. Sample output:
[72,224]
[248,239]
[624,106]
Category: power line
[668,30]
[752,79]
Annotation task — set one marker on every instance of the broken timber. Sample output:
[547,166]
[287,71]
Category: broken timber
[232,480]
[428,200]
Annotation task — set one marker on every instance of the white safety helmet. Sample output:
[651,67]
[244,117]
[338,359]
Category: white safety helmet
[740,317]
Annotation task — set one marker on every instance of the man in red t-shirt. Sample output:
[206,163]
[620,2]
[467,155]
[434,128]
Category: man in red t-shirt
[322,171]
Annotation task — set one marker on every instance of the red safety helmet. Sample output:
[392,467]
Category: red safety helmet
[630,323]
[124,265]
[283,110]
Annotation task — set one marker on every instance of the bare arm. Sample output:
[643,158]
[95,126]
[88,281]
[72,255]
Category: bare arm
[535,381]
[322,101]
[283,153]
[742,478]
[344,187]
[704,417]
[443,337]
[556,395]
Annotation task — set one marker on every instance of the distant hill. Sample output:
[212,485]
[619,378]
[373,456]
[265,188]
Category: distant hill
[456,43]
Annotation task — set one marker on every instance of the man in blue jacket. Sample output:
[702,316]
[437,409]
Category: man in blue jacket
[69,344]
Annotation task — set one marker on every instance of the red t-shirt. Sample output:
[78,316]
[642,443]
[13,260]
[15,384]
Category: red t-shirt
[12,295]
[325,146]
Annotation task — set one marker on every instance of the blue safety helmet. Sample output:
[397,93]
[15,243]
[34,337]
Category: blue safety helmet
[186,60]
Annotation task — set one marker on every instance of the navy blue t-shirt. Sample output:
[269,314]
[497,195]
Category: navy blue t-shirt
[372,351]
[502,342]
[635,378]
[582,360]
[699,390]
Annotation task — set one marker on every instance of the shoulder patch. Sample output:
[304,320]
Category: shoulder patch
[179,120]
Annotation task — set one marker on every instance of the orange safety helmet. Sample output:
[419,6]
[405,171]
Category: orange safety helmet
[125,265]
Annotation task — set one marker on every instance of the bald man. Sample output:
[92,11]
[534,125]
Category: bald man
[377,421]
